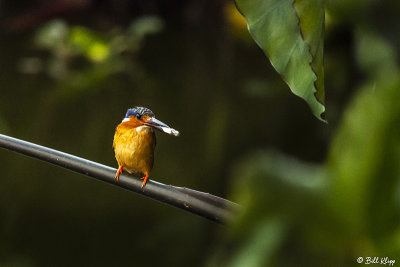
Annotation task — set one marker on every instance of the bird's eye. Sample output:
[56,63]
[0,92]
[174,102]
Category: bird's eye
[138,116]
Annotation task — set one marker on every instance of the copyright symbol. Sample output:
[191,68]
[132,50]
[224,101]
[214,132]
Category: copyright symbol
[360,259]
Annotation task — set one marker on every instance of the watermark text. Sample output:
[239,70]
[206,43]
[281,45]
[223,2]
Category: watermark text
[376,260]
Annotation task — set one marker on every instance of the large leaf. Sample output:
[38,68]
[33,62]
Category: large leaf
[291,35]
[327,215]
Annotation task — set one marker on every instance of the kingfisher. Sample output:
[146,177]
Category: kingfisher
[135,140]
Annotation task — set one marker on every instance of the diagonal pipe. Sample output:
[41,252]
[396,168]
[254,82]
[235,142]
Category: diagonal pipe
[206,205]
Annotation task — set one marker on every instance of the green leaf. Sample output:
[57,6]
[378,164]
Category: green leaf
[291,35]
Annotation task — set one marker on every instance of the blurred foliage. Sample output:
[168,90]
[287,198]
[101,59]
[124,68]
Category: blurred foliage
[312,194]
[291,35]
[301,214]
[280,196]
[237,23]
[107,54]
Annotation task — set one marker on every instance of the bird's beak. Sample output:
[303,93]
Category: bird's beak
[153,122]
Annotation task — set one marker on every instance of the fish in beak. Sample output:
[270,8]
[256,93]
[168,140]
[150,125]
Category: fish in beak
[159,125]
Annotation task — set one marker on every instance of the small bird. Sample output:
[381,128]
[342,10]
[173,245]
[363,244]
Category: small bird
[135,140]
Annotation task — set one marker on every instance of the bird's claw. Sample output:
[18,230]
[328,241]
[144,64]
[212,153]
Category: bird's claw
[145,178]
[118,173]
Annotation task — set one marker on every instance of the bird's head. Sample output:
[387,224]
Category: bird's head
[141,116]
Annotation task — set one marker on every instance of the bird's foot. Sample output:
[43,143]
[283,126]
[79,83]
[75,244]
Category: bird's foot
[118,173]
[145,178]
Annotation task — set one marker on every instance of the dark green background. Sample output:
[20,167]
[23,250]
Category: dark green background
[201,74]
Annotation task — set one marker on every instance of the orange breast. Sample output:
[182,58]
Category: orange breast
[134,147]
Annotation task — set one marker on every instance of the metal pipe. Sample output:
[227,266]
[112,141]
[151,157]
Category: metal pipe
[206,205]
